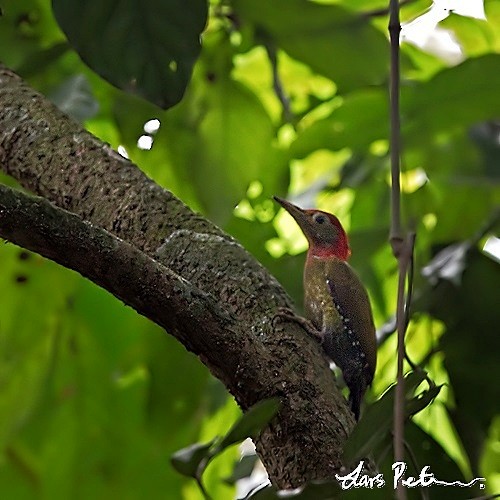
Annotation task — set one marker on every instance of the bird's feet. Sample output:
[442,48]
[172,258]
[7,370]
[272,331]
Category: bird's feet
[290,315]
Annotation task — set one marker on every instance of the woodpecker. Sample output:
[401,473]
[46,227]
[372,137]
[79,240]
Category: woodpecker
[335,301]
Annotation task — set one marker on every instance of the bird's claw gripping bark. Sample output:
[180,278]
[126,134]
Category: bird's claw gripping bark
[290,315]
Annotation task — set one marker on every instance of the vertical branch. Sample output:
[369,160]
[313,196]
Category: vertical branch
[394,30]
[277,84]
[399,245]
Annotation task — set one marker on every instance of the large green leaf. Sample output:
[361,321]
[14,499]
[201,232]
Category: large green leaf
[361,119]
[217,141]
[235,146]
[333,41]
[148,49]
[456,97]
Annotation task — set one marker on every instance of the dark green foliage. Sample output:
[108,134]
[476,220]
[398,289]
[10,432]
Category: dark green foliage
[193,460]
[363,442]
[148,49]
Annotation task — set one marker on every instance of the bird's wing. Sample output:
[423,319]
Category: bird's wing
[352,303]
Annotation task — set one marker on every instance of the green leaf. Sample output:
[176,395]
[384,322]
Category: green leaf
[148,49]
[475,36]
[333,41]
[235,146]
[191,461]
[363,441]
[422,400]
[361,119]
[455,97]
[251,422]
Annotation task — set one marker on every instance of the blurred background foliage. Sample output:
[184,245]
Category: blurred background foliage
[285,97]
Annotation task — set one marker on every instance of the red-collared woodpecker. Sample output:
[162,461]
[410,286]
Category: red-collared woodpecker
[335,300]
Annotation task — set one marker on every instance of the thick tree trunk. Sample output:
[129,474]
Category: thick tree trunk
[173,266]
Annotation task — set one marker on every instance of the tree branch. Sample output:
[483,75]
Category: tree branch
[402,247]
[385,10]
[278,84]
[140,281]
[137,240]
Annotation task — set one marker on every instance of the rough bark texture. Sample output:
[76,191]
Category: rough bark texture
[211,294]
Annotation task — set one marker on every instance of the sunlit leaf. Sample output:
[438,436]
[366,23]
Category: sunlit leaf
[333,41]
[455,97]
[360,120]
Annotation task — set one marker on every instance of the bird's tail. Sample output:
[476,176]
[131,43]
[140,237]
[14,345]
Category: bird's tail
[356,392]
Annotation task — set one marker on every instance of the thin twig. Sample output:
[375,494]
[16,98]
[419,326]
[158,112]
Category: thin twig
[278,84]
[411,272]
[410,244]
[423,491]
[202,488]
[385,11]
[383,454]
[400,391]
[401,247]
[396,237]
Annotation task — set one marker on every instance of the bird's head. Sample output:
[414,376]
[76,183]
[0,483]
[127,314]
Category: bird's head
[323,231]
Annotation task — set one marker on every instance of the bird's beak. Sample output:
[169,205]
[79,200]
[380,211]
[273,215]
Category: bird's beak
[297,213]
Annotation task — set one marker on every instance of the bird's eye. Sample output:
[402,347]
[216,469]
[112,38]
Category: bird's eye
[319,218]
